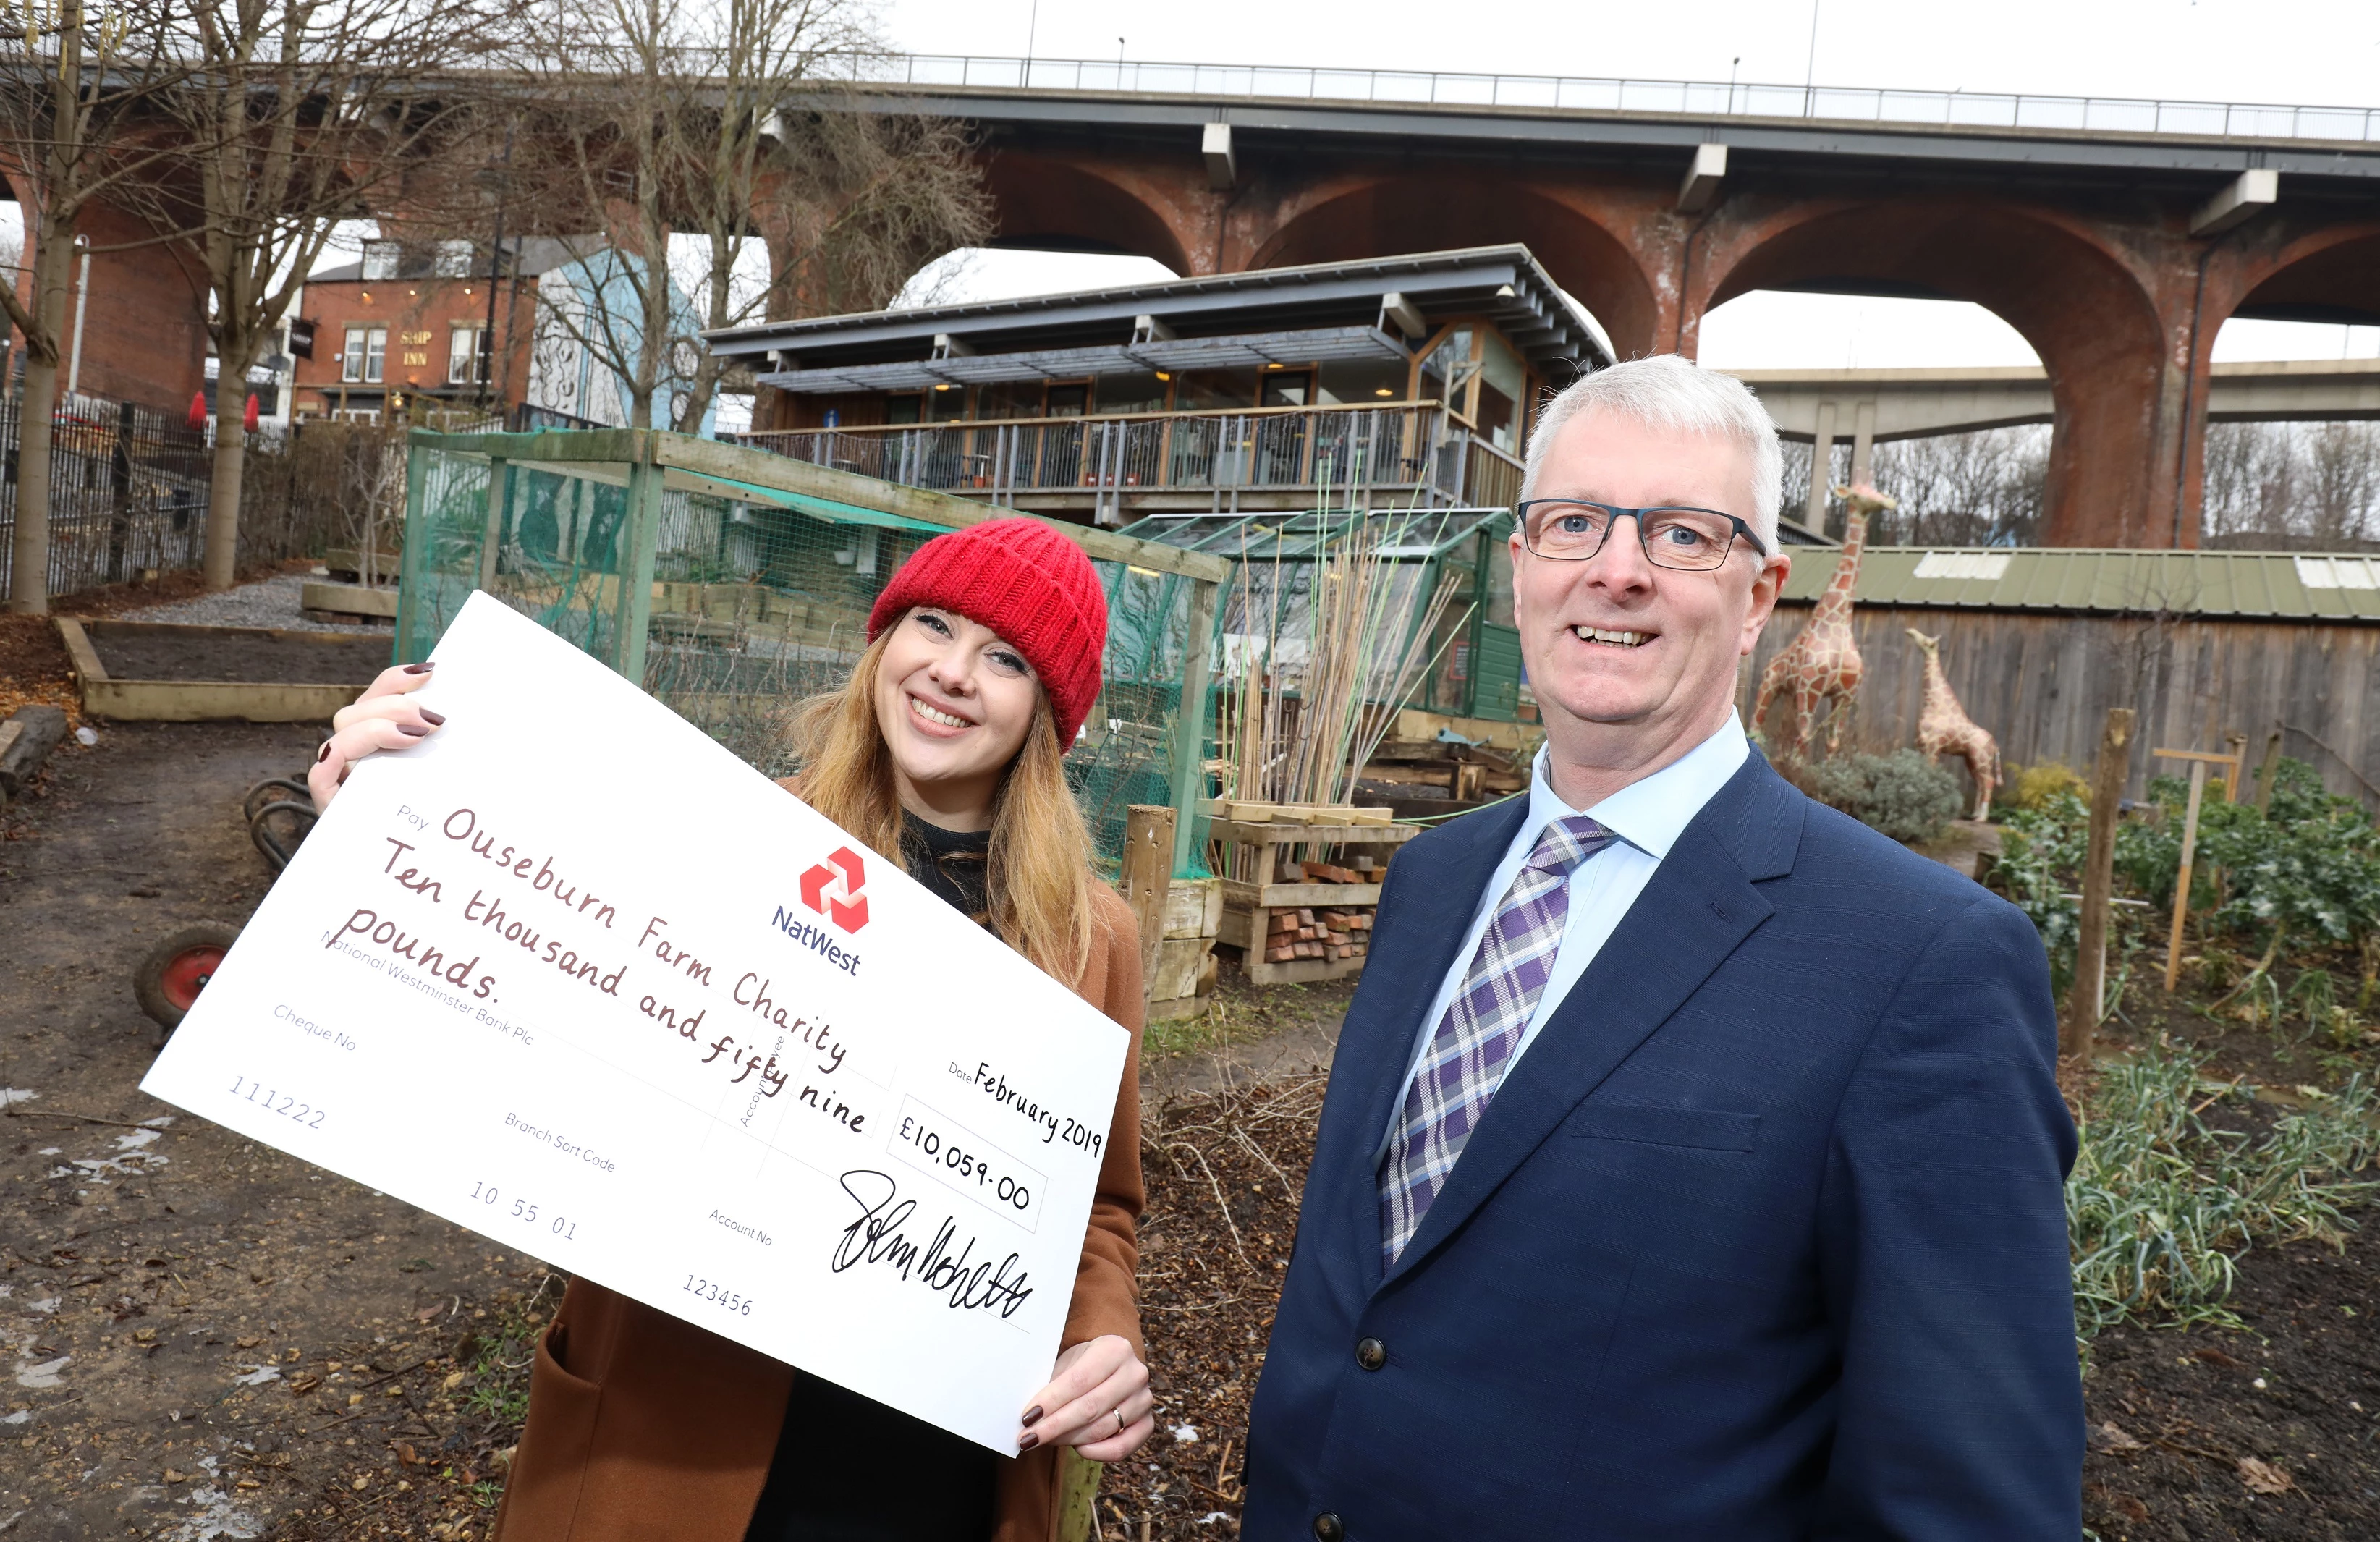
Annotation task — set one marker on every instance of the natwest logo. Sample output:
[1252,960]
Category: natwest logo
[834,890]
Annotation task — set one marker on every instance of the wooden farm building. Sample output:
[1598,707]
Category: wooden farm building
[2038,644]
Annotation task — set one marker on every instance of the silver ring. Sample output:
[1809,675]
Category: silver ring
[1119,1414]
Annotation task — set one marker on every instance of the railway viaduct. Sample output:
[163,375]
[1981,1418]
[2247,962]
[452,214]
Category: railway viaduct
[2117,237]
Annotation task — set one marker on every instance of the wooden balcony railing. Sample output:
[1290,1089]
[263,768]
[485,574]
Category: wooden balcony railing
[1409,447]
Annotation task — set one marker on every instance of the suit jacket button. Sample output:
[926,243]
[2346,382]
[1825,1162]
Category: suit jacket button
[1327,1529]
[1371,1353]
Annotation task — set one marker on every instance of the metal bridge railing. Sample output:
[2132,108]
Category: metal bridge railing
[1603,94]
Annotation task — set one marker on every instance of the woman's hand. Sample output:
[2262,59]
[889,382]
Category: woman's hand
[1098,1401]
[380,718]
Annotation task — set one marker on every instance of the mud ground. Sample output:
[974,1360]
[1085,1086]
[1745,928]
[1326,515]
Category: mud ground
[201,1338]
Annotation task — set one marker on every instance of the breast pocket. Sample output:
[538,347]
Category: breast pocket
[1697,1129]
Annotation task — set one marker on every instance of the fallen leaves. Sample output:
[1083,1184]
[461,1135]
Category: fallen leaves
[2114,1439]
[2262,1477]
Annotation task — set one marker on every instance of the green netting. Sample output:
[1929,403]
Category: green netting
[754,598]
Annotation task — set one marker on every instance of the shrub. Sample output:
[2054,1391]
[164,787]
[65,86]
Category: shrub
[2042,850]
[2034,786]
[1901,795]
[2312,866]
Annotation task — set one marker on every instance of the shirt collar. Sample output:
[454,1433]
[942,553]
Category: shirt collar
[1650,814]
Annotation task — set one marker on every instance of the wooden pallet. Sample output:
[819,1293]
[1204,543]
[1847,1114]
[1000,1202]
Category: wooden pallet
[1249,905]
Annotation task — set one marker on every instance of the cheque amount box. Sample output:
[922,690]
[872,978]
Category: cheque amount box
[934,1143]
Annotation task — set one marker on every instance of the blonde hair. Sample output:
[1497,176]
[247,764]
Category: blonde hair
[1039,877]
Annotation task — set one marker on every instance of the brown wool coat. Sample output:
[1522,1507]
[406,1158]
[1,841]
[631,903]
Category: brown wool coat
[643,1427]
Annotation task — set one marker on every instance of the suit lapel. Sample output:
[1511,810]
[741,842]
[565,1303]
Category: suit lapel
[1700,905]
[1381,1033]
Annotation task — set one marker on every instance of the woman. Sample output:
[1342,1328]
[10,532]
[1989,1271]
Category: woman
[943,752]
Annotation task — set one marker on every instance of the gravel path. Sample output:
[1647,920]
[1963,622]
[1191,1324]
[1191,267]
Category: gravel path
[269,602]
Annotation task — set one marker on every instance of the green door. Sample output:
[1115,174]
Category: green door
[1496,674]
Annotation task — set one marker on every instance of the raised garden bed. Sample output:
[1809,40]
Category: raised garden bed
[157,672]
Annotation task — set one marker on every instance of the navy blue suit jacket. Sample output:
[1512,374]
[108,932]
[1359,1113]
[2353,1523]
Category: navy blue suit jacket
[1764,1238]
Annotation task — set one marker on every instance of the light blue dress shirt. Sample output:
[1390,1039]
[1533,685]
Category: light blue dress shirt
[1649,817]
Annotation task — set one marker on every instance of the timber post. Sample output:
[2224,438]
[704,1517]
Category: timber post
[1147,876]
[2088,999]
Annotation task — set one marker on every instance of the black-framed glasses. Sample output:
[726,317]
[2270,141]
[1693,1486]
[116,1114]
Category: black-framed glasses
[1571,529]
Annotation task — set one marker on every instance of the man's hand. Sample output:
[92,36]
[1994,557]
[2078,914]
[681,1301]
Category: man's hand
[1098,1401]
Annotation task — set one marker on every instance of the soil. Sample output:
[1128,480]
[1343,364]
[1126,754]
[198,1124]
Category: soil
[33,663]
[251,657]
[2178,1415]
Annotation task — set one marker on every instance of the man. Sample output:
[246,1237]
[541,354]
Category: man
[1692,1166]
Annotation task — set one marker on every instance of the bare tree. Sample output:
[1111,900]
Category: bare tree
[78,96]
[1979,489]
[300,114]
[2293,486]
[706,151]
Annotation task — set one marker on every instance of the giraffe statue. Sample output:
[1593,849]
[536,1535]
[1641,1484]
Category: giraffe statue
[1822,662]
[1945,725]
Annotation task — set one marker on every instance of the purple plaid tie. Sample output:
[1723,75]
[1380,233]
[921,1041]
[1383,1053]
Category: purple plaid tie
[1467,1055]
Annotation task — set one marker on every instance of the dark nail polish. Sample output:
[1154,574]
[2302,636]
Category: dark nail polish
[1032,1416]
[411,732]
[1028,1441]
[326,752]
[432,719]
[419,669]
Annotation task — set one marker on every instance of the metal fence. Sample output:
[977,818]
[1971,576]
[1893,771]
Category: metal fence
[1620,94]
[1413,454]
[127,492]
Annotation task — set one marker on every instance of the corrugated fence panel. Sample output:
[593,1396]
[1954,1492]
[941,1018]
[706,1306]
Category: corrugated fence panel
[2042,685]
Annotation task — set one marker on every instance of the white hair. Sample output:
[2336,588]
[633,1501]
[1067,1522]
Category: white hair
[1670,392]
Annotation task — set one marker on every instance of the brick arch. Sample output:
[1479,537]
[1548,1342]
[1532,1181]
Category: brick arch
[2330,275]
[1394,215]
[2118,386]
[1065,205]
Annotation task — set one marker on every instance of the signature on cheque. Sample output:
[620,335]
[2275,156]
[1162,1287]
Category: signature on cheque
[946,1263]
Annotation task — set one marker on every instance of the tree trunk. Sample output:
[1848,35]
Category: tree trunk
[29,574]
[231,459]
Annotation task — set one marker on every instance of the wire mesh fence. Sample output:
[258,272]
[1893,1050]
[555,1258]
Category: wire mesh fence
[731,609]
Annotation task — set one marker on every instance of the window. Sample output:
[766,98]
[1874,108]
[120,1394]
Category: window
[1445,373]
[1361,382]
[1281,388]
[466,365]
[367,352]
[1141,392]
[452,259]
[1214,390]
[902,409]
[381,259]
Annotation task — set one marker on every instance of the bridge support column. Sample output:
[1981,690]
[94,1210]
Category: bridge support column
[1822,453]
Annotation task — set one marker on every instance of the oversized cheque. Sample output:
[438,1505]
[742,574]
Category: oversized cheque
[638,1012]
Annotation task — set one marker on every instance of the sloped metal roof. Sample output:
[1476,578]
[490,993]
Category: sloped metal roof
[1323,344]
[2280,585]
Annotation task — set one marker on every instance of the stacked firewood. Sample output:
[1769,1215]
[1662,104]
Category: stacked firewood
[1312,932]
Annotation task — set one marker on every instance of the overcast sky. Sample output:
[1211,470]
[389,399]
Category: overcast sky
[2297,52]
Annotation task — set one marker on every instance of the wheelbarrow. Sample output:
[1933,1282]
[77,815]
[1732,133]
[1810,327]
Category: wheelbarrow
[279,811]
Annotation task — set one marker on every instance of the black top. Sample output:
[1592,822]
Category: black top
[848,1468]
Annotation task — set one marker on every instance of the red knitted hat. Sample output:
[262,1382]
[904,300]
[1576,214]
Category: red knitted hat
[1025,581]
